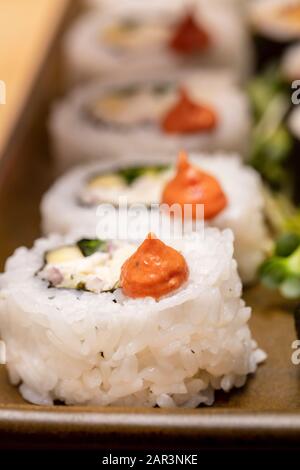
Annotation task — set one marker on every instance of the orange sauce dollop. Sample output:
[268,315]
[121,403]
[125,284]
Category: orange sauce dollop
[187,117]
[154,270]
[193,186]
[289,13]
[189,37]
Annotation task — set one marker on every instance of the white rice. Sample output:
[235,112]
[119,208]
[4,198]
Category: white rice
[244,214]
[83,348]
[88,56]
[76,139]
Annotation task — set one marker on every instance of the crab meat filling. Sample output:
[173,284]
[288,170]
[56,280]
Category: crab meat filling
[135,184]
[90,265]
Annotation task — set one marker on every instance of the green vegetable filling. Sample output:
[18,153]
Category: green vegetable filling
[90,246]
[161,88]
[132,173]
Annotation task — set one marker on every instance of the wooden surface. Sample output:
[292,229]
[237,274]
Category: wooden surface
[27,27]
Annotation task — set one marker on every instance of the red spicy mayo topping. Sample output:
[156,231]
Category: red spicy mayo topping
[189,37]
[290,13]
[187,117]
[193,186]
[154,270]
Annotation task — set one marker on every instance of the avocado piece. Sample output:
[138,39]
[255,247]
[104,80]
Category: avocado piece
[63,254]
[108,180]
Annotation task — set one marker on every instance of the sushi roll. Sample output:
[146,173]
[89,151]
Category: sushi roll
[135,38]
[104,121]
[87,322]
[72,202]
[276,24]
[290,65]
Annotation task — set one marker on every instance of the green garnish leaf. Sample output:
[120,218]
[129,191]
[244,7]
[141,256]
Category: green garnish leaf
[281,213]
[279,145]
[90,246]
[272,272]
[287,244]
[263,88]
[269,153]
[272,143]
[282,270]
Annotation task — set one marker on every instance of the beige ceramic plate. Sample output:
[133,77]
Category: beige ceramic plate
[267,408]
